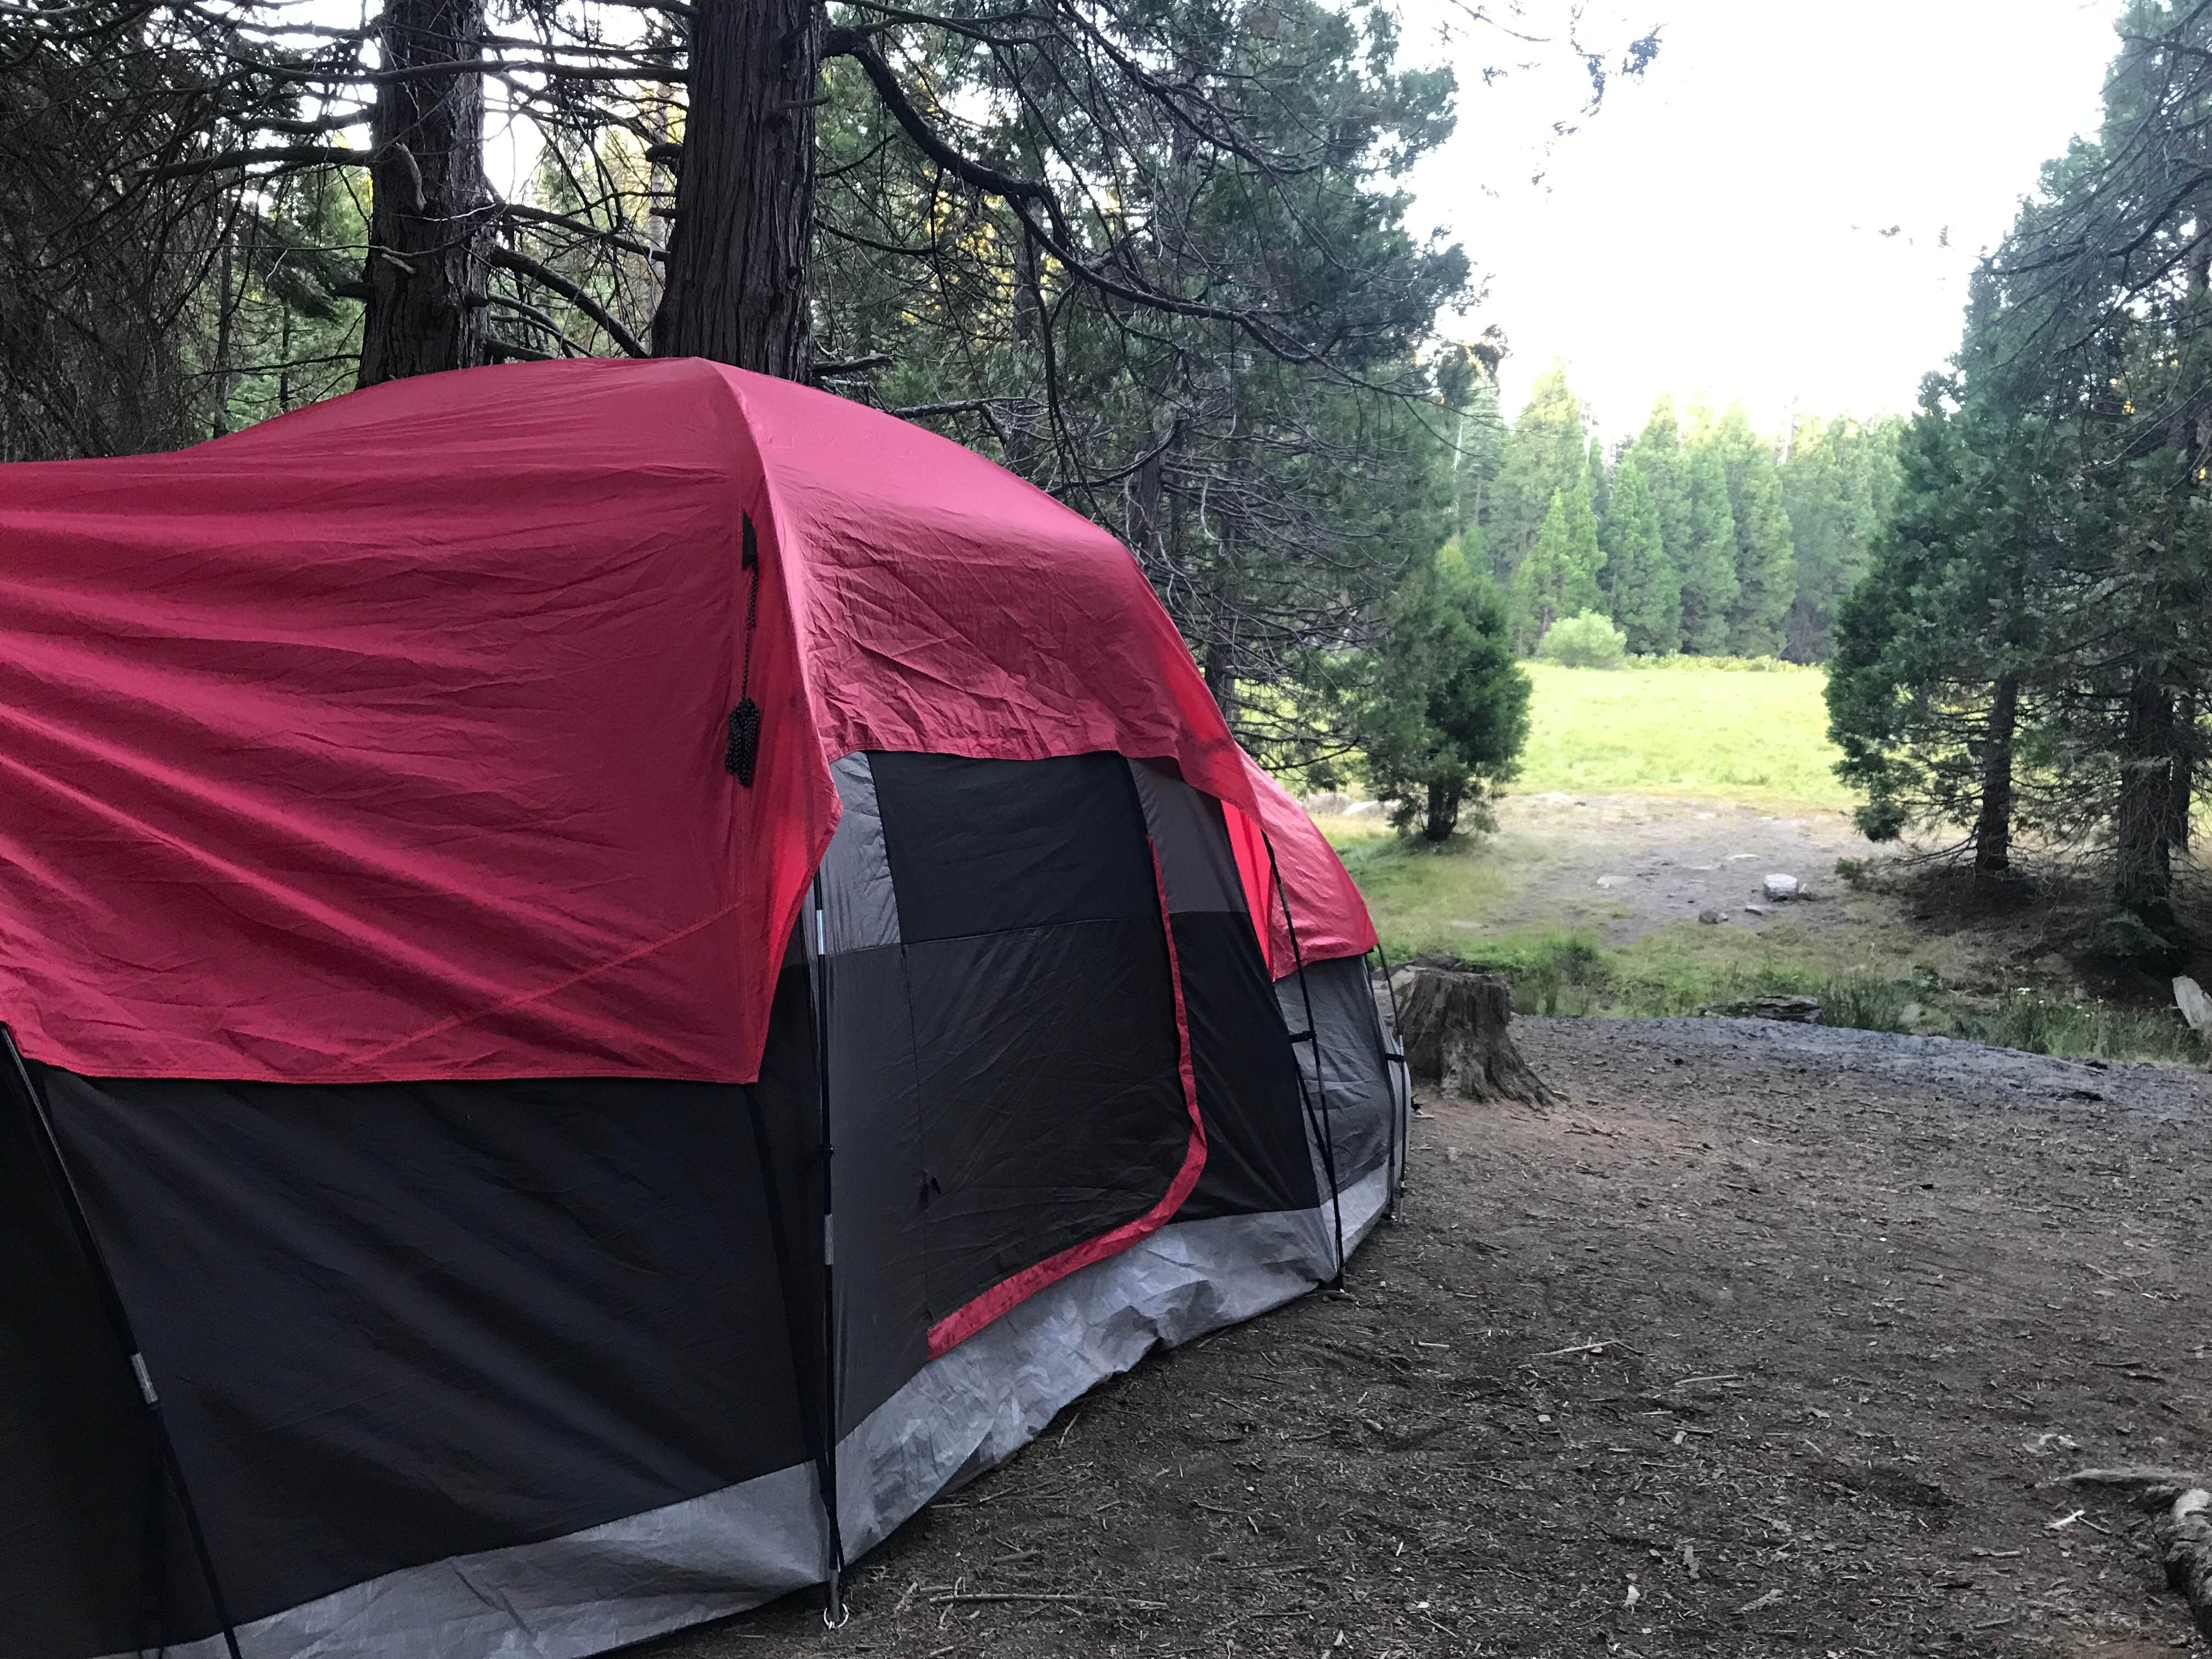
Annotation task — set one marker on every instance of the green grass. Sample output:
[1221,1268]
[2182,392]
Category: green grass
[1432,901]
[2045,1025]
[1675,972]
[1669,728]
[1747,732]
[1662,976]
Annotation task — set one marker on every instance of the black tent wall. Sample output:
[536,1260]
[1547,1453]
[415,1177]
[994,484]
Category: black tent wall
[444,1362]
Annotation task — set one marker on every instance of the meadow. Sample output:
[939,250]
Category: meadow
[1652,775]
[1718,728]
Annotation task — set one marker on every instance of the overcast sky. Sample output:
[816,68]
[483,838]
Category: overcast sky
[1716,228]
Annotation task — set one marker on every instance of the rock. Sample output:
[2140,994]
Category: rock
[1327,805]
[1364,809]
[1803,1011]
[1754,909]
[2196,1007]
[1798,1010]
[1711,918]
[1780,888]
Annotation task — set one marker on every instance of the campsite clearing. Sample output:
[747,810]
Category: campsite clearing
[1763,1343]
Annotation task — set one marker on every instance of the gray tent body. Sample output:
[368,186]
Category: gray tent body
[493,1358]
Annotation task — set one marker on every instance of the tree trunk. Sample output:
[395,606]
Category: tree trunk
[2181,789]
[1455,1029]
[2142,923]
[1993,829]
[1141,495]
[1221,677]
[1442,816]
[431,207]
[738,285]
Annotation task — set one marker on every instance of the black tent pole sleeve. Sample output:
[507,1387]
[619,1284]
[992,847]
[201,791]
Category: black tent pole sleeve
[1313,1037]
[119,1318]
[834,1612]
[1397,1035]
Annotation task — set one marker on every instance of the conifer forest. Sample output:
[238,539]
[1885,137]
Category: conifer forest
[1166,262]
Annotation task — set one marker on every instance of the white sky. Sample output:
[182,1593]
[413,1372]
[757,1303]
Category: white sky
[1715,230]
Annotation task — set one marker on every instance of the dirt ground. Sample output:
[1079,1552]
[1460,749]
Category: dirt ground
[1628,864]
[1763,1342]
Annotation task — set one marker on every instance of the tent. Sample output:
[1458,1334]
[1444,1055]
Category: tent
[617,974]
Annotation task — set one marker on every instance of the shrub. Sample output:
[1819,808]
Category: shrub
[2041,1023]
[1863,1002]
[1585,641]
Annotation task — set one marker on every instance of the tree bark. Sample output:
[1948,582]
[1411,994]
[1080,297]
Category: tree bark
[1993,828]
[1442,816]
[1221,677]
[2142,922]
[430,214]
[1455,1028]
[738,285]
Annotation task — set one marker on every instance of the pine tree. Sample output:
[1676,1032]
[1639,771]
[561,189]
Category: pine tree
[1934,682]
[1708,572]
[1647,589]
[1546,455]
[1839,481]
[1766,565]
[1599,483]
[1560,577]
[1479,453]
[1658,454]
[1446,712]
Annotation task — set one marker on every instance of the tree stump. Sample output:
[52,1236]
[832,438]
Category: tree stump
[1454,1024]
[2183,1530]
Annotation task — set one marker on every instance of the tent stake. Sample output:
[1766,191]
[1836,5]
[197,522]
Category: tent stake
[118,1319]
[1313,1038]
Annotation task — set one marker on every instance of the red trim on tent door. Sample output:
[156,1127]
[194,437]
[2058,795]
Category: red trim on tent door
[956,1327]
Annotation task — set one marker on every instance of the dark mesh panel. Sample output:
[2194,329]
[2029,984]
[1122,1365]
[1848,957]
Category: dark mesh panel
[397,1322]
[988,845]
[1257,1158]
[1052,1104]
[93,1556]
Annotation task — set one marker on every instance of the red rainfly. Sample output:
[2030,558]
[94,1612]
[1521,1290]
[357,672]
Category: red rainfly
[387,740]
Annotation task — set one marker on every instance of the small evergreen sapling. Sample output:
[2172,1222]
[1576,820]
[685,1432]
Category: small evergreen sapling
[1446,710]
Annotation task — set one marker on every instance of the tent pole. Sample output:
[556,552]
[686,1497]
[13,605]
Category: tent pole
[1312,1039]
[118,1319]
[834,1612]
[1397,1035]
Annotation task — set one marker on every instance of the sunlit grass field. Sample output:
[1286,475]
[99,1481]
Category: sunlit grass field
[1754,734]
[1728,730]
